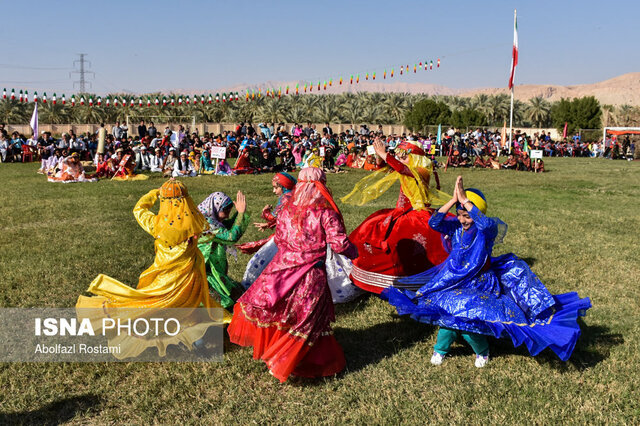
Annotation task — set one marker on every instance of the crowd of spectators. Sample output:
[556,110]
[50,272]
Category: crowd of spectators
[270,147]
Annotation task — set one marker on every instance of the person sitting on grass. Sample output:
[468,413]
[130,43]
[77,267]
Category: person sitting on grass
[184,167]
[511,163]
[156,161]
[224,231]
[480,162]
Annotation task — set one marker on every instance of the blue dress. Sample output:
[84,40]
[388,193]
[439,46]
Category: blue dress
[497,296]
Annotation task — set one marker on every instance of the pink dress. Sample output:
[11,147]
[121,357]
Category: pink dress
[286,314]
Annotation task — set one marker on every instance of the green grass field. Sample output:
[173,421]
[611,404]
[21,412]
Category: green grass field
[577,226]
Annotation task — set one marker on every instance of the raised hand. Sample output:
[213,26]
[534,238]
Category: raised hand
[380,149]
[241,203]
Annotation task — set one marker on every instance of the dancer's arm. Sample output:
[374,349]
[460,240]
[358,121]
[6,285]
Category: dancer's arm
[142,211]
[240,223]
[480,219]
[438,221]
[393,162]
[336,235]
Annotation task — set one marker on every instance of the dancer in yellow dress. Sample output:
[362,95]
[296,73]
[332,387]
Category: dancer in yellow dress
[177,278]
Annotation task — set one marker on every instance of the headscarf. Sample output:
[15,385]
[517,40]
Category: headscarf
[178,219]
[285,180]
[415,187]
[311,191]
[212,206]
[477,198]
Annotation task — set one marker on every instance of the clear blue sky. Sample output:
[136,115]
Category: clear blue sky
[142,46]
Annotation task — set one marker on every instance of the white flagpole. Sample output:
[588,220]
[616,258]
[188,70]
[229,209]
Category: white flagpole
[511,122]
[511,112]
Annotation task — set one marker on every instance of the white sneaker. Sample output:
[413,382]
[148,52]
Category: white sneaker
[436,358]
[481,361]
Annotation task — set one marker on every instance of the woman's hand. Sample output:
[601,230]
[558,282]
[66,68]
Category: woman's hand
[261,226]
[459,190]
[380,149]
[266,209]
[241,203]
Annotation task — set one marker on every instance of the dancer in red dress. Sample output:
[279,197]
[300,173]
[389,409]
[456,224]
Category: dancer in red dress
[396,242]
[286,314]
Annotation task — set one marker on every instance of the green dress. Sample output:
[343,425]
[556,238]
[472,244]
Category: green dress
[214,249]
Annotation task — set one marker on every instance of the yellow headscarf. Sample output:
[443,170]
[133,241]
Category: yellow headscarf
[178,218]
[415,187]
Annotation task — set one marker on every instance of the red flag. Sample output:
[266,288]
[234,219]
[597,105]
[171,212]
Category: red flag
[514,52]
[564,132]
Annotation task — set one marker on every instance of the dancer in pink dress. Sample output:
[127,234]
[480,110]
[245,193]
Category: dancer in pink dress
[286,314]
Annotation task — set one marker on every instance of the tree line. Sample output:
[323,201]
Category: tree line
[414,111]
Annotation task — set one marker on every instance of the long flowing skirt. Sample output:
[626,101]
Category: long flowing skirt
[286,317]
[506,299]
[180,282]
[393,244]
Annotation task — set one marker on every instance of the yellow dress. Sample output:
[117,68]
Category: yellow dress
[177,278]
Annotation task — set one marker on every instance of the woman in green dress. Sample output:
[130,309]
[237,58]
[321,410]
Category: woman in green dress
[225,230]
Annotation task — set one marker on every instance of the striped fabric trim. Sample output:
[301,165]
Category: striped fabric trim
[375,279]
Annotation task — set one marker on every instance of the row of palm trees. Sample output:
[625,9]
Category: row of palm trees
[348,108]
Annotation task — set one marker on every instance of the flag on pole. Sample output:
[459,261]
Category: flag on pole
[514,53]
[564,132]
[439,137]
[34,121]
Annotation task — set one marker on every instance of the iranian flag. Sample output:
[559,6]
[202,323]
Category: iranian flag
[514,54]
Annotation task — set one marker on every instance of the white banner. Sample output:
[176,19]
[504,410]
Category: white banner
[536,153]
[219,152]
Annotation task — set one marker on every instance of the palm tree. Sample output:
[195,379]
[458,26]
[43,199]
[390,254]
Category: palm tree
[396,106]
[607,114]
[455,103]
[54,114]
[352,112]
[328,111]
[87,115]
[538,111]
[273,110]
[310,104]
[295,114]
[372,114]
[623,115]
[14,113]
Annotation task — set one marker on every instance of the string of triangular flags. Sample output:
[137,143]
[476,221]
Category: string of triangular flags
[307,87]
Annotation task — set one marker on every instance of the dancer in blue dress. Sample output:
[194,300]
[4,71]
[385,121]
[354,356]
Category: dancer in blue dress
[475,295]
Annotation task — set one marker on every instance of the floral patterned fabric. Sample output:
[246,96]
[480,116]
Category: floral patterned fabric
[292,292]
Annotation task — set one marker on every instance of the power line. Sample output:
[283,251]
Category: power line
[82,71]
[24,67]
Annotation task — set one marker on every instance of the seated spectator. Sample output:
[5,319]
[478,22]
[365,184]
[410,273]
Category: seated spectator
[143,159]
[157,161]
[71,170]
[169,163]
[104,166]
[184,167]
[511,162]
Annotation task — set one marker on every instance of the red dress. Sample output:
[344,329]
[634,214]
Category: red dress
[243,166]
[395,242]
